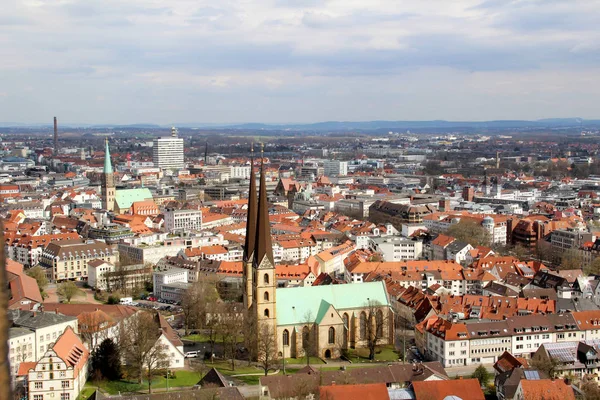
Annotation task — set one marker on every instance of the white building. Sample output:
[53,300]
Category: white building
[62,371]
[167,152]
[183,220]
[239,172]
[166,278]
[335,168]
[396,248]
[21,344]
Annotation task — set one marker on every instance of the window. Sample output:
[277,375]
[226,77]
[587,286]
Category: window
[38,397]
[331,335]
[363,325]
[266,296]
[305,337]
[286,338]
[64,384]
[266,279]
[38,385]
[65,396]
[63,374]
[40,375]
[379,323]
[267,312]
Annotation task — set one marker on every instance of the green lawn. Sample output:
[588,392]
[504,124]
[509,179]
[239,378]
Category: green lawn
[383,353]
[182,379]
[86,393]
[200,337]
[302,361]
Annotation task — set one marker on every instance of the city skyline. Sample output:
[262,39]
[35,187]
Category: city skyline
[297,61]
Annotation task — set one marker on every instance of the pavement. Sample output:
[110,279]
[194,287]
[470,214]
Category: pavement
[467,370]
[86,296]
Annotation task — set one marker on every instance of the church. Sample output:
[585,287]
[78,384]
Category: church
[118,201]
[322,321]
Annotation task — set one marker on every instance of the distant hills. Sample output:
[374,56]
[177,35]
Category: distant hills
[332,126]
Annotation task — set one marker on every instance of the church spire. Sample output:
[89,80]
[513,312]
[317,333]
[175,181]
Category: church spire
[107,164]
[263,246]
[252,210]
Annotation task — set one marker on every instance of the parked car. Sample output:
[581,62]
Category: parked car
[191,354]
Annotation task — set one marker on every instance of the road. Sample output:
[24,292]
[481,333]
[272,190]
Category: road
[467,370]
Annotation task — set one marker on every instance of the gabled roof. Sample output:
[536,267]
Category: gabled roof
[213,378]
[547,389]
[71,350]
[22,287]
[370,391]
[294,304]
[465,389]
[126,197]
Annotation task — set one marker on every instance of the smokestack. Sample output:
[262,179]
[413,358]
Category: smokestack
[55,136]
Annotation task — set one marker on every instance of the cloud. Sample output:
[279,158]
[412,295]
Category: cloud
[314,57]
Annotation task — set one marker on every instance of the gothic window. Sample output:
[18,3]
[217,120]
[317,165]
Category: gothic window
[266,279]
[286,338]
[363,325]
[331,335]
[266,296]
[267,312]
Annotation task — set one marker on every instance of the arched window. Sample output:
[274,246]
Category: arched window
[363,325]
[286,338]
[379,323]
[331,335]
[346,329]
[266,279]
[266,296]
[267,312]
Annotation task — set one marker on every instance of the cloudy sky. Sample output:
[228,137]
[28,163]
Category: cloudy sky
[169,61]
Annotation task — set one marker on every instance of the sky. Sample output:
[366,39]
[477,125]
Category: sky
[278,61]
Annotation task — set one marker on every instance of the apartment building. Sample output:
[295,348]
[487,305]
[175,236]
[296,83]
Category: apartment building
[103,275]
[467,343]
[170,284]
[27,249]
[46,327]
[182,220]
[69,259]
[335,168]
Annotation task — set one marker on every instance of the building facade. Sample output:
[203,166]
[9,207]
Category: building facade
[167,152]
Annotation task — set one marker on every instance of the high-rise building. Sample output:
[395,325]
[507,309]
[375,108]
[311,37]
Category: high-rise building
[167,151]
[108,181]
[335,168]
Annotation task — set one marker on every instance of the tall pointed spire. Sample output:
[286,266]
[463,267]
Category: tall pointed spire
[107,164]
[264,248]
[252,212]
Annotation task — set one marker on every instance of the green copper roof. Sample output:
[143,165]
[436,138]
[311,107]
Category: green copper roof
[295,304]
[126,197]
[107,164]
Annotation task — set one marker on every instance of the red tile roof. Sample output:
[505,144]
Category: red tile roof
[466,389]
[370,391]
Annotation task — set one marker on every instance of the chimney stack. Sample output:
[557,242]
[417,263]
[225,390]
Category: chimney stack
[55,136]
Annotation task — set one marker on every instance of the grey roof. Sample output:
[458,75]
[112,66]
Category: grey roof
[456,246]
[37,320]
[16,332]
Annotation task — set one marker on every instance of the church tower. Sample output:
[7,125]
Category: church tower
[108,181]
[250,236]
[264,281]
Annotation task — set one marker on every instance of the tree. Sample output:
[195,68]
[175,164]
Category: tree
[230,329]
[374,326]
[590,389]
[106,361]
[196,303]
[266,347]
[544,364]
[593,268]
[482,375]
[142,350]
[571,259]
[308,340]
[91,326]
[469,231]
[67,290]
[39,274]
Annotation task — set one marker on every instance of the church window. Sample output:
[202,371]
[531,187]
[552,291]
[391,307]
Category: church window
[286,338]
[267,312]
[266,279]
[331,335]
[363,325]
[266,296]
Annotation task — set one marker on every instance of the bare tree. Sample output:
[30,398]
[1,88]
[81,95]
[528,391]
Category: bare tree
[374,326]
[198,301]
[308,339]
[39,275]
[266,345]
[141,348]
[230,328]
